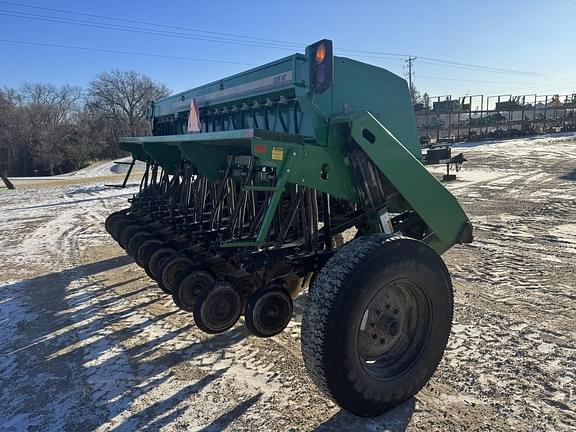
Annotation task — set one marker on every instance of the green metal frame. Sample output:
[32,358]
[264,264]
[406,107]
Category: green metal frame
[302,163]
[437,207]
[365,105]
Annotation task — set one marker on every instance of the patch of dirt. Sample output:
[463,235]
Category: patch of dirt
[88,342]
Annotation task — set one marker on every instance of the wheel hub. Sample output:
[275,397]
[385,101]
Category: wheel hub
[172,269]
[268,311]
[389,326]
[217,308]
[191,286]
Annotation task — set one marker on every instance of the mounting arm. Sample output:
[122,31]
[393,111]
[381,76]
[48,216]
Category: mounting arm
[436,206]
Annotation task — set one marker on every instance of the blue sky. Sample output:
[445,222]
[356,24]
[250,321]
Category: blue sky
[528,36]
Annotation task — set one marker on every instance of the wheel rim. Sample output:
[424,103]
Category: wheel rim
[172,270]
[394,329]
[158,259]
[268,313]
[274,309]
[126,234]
[146,250]
[191,286]
[136,241]
[219,309]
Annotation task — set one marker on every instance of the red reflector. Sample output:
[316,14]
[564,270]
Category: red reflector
[261,148]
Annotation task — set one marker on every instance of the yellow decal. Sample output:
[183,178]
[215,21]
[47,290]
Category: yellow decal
[277,153]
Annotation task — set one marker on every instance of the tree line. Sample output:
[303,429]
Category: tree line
[47,129]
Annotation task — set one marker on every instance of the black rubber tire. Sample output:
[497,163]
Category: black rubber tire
[187,290]
[170,271]
[335,310]
[127,233]
[272,325]
[158,258]
[112,216]
[205,317]
[115,222]
[145,251]
[136,241]
[119,226]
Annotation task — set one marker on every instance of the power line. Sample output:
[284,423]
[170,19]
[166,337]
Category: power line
[113,51]
[131,29]
[228,38]
[180,35]
[472,68]
[155,55]
[433,60]
[467,80]
[276,43]
[147,23]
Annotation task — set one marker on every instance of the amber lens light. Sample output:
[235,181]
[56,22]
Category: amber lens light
[320,53]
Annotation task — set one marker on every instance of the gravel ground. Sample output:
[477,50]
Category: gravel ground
[87,342]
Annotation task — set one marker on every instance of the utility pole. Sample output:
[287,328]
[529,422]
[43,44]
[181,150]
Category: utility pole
[410,61]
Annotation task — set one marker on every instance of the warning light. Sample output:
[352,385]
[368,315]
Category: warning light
[321,61]
[321,53]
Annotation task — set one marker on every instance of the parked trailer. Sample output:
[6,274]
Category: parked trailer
[302,172]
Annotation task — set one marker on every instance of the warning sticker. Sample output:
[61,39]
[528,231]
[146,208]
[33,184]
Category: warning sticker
[277,153]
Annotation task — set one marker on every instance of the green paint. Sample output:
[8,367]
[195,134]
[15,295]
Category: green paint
[314,154]
[138,152]
[424,193]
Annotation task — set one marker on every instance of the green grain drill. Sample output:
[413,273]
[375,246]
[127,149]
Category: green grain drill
[302,173]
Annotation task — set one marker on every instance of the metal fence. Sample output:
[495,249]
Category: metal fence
[468,118]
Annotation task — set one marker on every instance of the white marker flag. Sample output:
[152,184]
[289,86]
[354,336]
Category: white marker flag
[194,118]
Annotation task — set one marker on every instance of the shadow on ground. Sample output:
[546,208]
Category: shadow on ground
[67,349]
[396,420]
[571,175]
[70,349]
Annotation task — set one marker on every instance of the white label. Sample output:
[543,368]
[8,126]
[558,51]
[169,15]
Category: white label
[386,223]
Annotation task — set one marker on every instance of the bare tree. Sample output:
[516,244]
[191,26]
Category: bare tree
[50,118]
[51,129]
[10,137]
[414,94]
[53,106]
[426,100]
[125,96]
